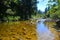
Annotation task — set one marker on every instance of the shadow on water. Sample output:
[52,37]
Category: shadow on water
[43,32]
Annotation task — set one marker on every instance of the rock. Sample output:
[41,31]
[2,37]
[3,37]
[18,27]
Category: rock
[24,29]
[58,24]
[28,38]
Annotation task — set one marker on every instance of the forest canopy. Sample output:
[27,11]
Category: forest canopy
[53,10]
[17,9]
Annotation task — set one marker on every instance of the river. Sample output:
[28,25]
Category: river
[24,30]
[47,32]
[43,32]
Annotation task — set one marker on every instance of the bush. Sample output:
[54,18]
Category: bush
[11,18]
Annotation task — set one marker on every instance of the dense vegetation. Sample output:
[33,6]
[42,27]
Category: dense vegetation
[12,10]
[53,9]
[53,12]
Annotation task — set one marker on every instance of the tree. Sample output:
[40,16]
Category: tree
[22,8]
[54,8]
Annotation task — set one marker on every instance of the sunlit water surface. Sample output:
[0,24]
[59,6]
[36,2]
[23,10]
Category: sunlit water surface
[43,32]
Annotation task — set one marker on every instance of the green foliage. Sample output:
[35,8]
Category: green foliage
[54,11]
[11,18]
[10,9]
[36,16]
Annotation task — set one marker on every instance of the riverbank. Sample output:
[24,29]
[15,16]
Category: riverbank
[51,27]
[23,30]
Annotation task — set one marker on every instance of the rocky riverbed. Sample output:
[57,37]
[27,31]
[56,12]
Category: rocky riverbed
[22,30]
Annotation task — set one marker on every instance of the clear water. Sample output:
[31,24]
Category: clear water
[43,32]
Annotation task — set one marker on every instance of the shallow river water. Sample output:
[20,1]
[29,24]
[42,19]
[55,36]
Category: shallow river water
[24,30]
[43,32]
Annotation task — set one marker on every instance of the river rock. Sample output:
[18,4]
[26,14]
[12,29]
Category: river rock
[58,23]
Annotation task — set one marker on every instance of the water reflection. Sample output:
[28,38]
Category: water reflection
[43,32]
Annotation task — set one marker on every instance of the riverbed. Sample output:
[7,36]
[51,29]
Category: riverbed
[25,30]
